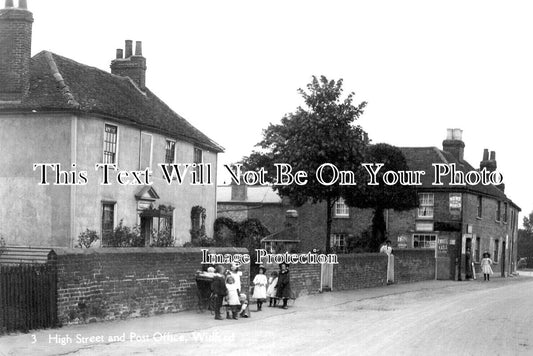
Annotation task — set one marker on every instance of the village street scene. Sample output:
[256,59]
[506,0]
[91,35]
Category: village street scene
[401,320]
[210,178]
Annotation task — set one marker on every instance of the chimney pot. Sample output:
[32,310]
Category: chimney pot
[454,144]
[457,134]
[131,66]
[129,49]
[449,134]
[23,4]
[9,3]
[291,218]
[485,154]
[291,214]
[138,48]
[492,155]
[120,53]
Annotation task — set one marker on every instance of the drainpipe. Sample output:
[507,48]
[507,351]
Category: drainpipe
[459,252]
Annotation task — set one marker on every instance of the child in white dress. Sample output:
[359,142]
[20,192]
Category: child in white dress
[260,287]
[486,263]
[232,298]
[272,290]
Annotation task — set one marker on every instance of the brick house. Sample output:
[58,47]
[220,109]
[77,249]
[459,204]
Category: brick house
[58,111]
[302,228]
[450,218]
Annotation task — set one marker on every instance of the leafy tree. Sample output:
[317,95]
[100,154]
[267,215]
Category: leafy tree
[382,196]
[528,223]
[525,239]
[323,131]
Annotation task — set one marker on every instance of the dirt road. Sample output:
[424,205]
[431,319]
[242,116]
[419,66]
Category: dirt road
[437,318]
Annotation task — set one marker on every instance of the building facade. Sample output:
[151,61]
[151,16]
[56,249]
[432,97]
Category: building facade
[60,119]
[451,219]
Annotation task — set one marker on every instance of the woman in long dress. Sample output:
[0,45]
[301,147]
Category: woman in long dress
[260,283]
[284,284]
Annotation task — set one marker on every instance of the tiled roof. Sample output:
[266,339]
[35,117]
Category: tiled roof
[287,234]
[59,83]
[422,158]
[254,194]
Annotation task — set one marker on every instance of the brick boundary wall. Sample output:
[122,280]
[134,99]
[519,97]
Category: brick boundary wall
[120,283]
[304,278]
[363,270]
[413,265]
[360,270]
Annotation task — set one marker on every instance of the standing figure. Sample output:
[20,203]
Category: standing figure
[218,288]
[260,283]
[272,288]
[233,300]
[236,274]
[387,249]
[284,284]
[468,264]
[486,263]
[245,311]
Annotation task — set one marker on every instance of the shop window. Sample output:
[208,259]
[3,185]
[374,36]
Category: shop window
[424,240]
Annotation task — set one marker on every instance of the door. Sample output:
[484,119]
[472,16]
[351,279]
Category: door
[146,229]
[326,277]
[503,261]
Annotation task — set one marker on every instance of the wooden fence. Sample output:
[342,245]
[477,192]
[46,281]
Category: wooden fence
[28,297]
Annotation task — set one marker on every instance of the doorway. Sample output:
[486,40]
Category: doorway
[503,260]
[147,225]
[326,277]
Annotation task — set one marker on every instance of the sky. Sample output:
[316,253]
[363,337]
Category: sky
[232,67]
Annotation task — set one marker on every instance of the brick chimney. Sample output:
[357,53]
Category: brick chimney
[291,218]
[454,144]
[15,50]
[131,65]
[488,162]
[239,192]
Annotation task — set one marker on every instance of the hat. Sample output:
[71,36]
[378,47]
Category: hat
[234,265]
[486,253]
[242,297]
[263,268]
[211,270]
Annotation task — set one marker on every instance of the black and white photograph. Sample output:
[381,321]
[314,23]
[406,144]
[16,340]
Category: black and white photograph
[273,178]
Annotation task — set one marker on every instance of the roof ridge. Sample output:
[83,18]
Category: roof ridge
[191,126]
[63,87]
[439,153]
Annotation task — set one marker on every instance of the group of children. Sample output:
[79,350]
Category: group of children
[226,288]
[265,288]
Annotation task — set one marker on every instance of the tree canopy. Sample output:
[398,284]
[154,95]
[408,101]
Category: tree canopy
[322,131]
[382,196]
